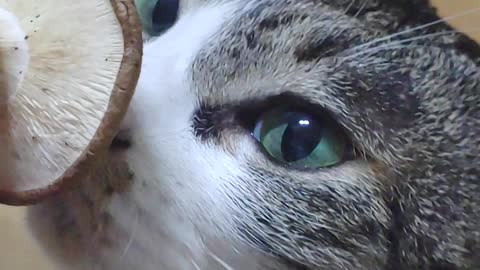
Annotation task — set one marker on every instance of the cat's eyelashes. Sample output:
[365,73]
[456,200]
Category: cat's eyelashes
[157,15]
[302,140]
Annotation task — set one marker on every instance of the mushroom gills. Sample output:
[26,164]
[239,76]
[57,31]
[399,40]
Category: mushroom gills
[68,70]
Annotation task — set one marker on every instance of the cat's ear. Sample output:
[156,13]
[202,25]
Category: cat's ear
[67,74]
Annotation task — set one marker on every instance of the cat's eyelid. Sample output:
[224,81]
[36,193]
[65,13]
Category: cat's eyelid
[250,110]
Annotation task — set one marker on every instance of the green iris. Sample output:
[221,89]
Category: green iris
[300,139]
[145,9]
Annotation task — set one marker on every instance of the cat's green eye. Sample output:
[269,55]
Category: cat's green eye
[300,139]
[157,15]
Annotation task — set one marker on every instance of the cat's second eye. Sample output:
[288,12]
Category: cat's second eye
[157,15]
[300,139]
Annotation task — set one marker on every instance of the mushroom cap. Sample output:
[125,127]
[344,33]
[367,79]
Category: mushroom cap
[82,64]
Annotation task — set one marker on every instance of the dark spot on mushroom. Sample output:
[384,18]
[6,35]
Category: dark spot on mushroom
[15,48]
[66,143]
[109,190]
[45,90]
[38,16]
[26,37]
[130,175]
[106,59]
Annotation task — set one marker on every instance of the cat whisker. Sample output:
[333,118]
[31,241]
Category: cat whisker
[421,27]
[391,45]
[195,265]
[361,9]
[347,9]
[131,237]
[220,261]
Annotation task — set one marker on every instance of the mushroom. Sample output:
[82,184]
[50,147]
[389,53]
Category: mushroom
[68,70]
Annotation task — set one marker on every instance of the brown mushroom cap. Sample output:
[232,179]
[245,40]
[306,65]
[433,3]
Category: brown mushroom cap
[84,63]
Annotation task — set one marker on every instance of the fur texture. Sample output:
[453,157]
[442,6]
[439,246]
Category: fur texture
[193,190]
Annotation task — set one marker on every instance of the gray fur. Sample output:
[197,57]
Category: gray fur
[414,109]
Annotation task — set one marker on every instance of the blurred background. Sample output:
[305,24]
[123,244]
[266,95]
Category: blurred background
[19,252]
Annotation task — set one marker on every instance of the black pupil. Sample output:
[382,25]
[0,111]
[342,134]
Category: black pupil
[302,135]
[164,14]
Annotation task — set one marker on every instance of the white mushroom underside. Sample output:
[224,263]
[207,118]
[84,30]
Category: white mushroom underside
[76,48]
[14,57]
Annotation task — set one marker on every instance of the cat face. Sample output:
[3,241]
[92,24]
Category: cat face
[275,134]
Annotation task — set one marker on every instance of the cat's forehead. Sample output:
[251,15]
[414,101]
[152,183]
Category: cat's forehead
[278,41]
[270,43]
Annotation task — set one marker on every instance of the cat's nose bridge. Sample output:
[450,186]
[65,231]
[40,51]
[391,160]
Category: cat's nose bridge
[165,96]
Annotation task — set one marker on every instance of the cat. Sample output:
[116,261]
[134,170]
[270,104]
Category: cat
[286,134]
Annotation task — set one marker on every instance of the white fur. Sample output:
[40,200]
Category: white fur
[185,183]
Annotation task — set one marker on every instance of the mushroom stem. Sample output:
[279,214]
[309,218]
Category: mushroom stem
[14,57]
